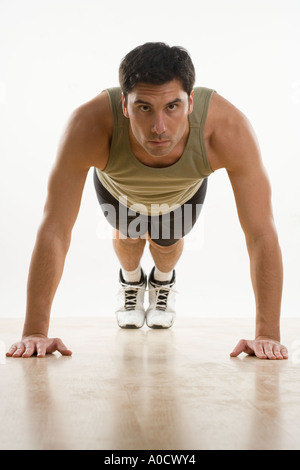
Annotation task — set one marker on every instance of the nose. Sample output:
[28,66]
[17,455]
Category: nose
[159,126]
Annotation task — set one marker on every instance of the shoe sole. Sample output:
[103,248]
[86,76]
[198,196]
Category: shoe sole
[160,327]
[130,327]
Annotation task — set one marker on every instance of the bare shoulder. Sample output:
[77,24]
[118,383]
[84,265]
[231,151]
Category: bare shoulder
[84,143]
[96,113]
[232,143]
[233,146]
[88,132]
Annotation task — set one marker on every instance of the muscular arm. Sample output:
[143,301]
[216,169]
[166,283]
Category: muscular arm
[53,240]
[81,142]
[238,151]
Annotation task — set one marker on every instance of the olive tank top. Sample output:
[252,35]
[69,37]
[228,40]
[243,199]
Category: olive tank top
[155,191]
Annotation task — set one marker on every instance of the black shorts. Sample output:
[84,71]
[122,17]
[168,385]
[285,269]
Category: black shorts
[165,230]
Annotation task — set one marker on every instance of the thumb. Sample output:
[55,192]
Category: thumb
[58,345]
[63,349]
[240,347]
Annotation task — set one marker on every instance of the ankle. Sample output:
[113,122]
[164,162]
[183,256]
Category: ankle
[132,276]
[162,276]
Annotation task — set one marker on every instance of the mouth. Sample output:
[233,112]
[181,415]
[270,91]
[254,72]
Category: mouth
[158,143]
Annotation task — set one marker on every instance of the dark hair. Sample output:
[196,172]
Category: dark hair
[156,63]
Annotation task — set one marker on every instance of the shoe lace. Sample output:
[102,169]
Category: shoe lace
[162,294]
[130,292]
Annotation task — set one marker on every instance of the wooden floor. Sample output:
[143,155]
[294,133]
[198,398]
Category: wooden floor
[174,389]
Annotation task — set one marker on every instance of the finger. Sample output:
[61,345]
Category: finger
[11,350]
[20,350]
[41,349]
[284,352]
[277,352]
[62,348]
[242,346]
[30,349]
[259,351]
[238,349]
[269,351]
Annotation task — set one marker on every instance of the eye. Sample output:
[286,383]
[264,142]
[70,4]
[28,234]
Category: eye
[144,108]
[172,107]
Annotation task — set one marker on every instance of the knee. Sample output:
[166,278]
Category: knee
[166,248]
[126,240]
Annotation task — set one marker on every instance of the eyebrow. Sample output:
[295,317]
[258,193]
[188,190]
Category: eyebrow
[177,100]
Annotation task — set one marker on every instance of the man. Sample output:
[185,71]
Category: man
[153,144]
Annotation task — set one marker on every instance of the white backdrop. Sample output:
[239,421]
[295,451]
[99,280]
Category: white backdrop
[55,55]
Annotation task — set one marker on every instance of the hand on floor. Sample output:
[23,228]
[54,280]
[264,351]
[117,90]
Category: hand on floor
[263,348]
[39,345]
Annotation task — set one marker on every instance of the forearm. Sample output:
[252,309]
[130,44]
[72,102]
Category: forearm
[45,272]
[267,279]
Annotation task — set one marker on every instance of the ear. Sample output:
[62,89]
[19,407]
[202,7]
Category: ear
[124,106]
[191,102]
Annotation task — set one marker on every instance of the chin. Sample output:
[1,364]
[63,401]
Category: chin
[159,152]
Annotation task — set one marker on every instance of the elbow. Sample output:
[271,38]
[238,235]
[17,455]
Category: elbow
[50,231]
[268,238]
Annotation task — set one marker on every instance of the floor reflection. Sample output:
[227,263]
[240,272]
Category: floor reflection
[265,429]
[45,424]
[147,365]
[152,389]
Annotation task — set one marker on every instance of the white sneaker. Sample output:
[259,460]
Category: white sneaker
[161,311]
[131,312]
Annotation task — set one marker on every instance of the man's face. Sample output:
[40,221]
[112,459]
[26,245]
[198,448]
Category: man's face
[158,116]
